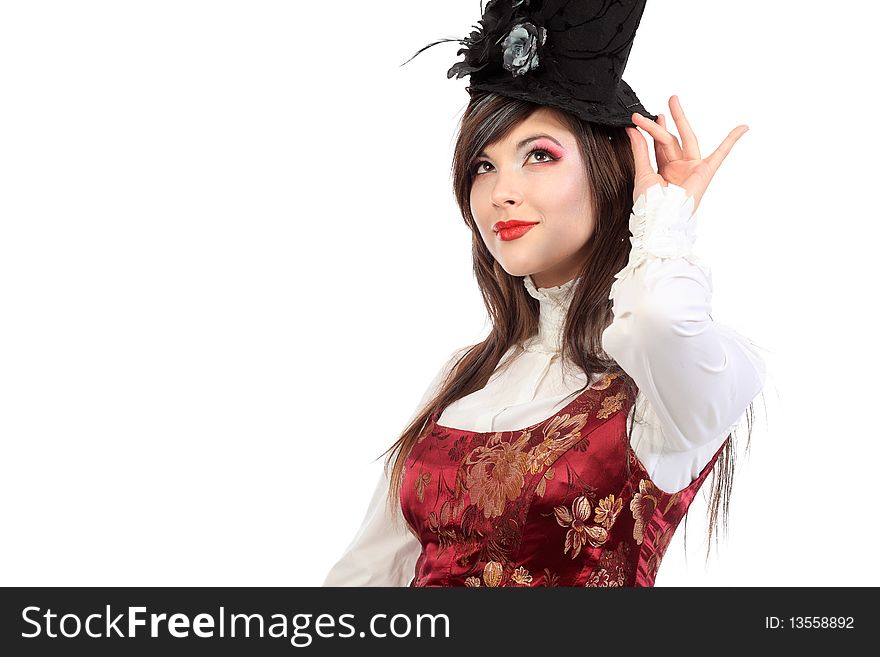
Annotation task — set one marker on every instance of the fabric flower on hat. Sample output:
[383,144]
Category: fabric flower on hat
[501,22]
[521,48]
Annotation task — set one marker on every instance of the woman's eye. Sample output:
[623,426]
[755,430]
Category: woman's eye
[543,153]
[538,152]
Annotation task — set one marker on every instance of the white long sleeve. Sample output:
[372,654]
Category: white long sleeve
[382,553]
[384,550]
[697,376]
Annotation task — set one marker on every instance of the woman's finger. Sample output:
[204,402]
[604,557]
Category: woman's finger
[640,152]
[666,140]
[659,154]
[716,158]
[690,147]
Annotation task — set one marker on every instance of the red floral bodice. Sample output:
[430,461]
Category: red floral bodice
[565,502]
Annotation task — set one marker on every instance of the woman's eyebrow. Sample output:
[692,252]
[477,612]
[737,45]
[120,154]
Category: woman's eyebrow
[527,141]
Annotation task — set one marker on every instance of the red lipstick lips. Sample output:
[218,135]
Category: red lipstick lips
[514,229]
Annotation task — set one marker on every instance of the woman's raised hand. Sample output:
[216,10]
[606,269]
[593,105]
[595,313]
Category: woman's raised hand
[679,164]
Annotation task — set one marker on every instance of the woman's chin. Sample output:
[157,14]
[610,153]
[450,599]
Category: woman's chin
[518,268]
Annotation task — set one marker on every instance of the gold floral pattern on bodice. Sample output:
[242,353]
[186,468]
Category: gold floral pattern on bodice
[565,502]
[643,504]
[612,568]
[580,532]
[494,473]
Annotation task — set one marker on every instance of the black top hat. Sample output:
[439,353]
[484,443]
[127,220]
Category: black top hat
[568,54]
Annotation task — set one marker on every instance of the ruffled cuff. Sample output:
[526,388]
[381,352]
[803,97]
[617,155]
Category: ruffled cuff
[662,225]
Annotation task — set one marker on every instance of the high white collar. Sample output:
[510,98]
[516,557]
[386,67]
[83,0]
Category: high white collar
[554,302]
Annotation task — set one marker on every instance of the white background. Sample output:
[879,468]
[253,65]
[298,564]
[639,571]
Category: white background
[231,262]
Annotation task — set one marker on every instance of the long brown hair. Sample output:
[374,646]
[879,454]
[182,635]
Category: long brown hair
[610,170]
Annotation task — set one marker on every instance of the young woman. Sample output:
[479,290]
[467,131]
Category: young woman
[566,447]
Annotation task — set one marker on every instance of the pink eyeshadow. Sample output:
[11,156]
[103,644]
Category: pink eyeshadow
[547,145]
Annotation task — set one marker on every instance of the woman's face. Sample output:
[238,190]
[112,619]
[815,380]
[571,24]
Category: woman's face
[535,174]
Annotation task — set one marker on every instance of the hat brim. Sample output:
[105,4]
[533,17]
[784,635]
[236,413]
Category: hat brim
[617,112]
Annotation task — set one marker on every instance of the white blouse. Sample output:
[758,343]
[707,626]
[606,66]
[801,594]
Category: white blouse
[696,377]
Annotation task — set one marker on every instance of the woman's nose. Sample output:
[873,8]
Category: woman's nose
[506,190]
